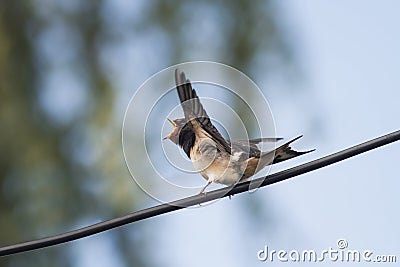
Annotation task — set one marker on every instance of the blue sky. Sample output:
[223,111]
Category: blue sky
[349,52]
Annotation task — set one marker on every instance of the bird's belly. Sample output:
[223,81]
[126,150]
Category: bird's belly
[222,171]
[223,168]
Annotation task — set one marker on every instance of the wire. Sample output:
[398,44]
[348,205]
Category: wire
[198,199]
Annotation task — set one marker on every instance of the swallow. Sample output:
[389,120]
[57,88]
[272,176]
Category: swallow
[217,159]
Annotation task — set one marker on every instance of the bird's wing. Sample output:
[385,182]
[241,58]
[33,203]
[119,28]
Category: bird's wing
[195,113]
[265,139]
[256,141]
[250,147]
[248,150]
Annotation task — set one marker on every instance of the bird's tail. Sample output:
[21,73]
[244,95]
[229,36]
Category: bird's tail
[282,153]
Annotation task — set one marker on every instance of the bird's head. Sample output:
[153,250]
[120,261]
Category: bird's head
[174,135]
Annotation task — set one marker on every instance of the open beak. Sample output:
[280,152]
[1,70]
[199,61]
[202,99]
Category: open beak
[173,124]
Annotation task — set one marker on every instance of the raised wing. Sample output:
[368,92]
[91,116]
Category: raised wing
[193,110]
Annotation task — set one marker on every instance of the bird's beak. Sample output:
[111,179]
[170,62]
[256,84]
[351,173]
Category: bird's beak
[173,124]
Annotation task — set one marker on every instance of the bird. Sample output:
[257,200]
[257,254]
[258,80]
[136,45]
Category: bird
[217,159]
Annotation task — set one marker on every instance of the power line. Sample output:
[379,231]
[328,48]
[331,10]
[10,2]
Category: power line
[198,199]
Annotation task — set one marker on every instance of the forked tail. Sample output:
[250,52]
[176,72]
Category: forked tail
[282,153]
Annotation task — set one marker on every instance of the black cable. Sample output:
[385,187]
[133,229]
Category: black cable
[198,199]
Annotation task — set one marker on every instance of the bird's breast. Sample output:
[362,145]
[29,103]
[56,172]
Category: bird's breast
[217,166]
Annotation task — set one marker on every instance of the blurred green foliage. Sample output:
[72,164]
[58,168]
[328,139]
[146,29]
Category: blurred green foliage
[61,161]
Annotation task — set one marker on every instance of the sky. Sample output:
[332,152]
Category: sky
[349,52]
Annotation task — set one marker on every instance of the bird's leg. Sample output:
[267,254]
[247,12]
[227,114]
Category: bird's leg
[204,188]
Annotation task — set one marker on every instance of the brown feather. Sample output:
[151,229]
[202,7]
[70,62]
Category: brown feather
[194,111]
